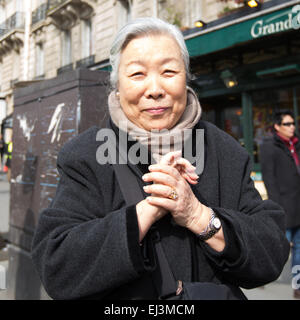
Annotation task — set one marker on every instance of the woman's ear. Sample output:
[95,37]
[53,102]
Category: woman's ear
[276,127]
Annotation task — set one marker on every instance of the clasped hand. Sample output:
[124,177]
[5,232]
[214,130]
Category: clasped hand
[173,174]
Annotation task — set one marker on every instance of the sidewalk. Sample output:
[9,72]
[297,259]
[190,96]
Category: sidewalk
[272,291]
[4,224]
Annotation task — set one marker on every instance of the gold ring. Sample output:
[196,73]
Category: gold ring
[173,195]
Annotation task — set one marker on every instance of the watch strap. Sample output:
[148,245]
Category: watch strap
[210,229]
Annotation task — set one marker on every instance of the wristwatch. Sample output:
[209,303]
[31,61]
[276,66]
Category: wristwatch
[212,228]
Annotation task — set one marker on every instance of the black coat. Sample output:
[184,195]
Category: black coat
[86,244]
[281,177]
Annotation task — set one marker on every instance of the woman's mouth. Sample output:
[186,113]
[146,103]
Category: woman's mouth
[157,110]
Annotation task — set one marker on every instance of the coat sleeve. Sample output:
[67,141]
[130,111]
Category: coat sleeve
[256,247]
[79,249]
[268,171]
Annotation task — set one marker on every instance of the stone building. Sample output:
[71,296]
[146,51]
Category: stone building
[42,38]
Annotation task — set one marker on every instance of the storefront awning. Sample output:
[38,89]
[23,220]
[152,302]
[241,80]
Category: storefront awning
[226,36]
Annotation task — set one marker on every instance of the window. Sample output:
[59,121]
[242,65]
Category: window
[86,38]
[19,5]
[225,112]
[2,15]
[2,109]
[16,66]
[39,60]
[66,48]
[124,12]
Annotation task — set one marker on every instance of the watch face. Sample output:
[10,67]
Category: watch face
[217,223]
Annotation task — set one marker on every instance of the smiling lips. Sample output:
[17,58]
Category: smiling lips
[157,110]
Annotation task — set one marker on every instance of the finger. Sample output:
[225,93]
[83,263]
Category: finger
[165,203]
[165,169]
[160,178]
[167,159]
[159,190]
[190,173]
[193,176]
[186,164]
[189,179]
[170,157]
[186,169]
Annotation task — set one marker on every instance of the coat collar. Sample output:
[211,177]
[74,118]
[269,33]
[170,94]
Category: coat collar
[278,141]
[294,140]
[281,140]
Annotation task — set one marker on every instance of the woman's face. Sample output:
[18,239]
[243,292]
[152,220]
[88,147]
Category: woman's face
[152,82]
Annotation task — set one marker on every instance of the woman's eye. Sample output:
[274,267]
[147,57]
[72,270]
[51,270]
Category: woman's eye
[137,74]
[169,72]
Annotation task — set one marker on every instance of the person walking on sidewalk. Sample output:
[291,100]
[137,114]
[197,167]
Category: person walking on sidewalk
[8,151]
[280,163]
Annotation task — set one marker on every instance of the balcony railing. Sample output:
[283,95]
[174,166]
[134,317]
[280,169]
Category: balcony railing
[64,14]
[39,14]
[54,3]
[16,21]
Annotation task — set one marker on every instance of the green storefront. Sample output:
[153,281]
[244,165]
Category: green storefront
[247,68]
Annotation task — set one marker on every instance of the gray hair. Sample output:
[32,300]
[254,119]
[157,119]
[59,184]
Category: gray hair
[142,27]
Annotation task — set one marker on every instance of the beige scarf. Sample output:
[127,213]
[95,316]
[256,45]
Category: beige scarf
[159,142]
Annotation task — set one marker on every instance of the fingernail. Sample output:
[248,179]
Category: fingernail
[145,188]
[144,177]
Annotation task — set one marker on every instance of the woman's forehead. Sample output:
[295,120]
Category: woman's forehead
[163,47]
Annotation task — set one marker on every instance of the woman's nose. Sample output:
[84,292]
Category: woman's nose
[154,89]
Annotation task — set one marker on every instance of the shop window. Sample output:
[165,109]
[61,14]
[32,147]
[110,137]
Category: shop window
[226,113]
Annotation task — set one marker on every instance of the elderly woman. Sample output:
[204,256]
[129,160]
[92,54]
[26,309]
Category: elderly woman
[89,244]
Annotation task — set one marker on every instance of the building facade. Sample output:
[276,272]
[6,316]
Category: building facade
[42,38]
